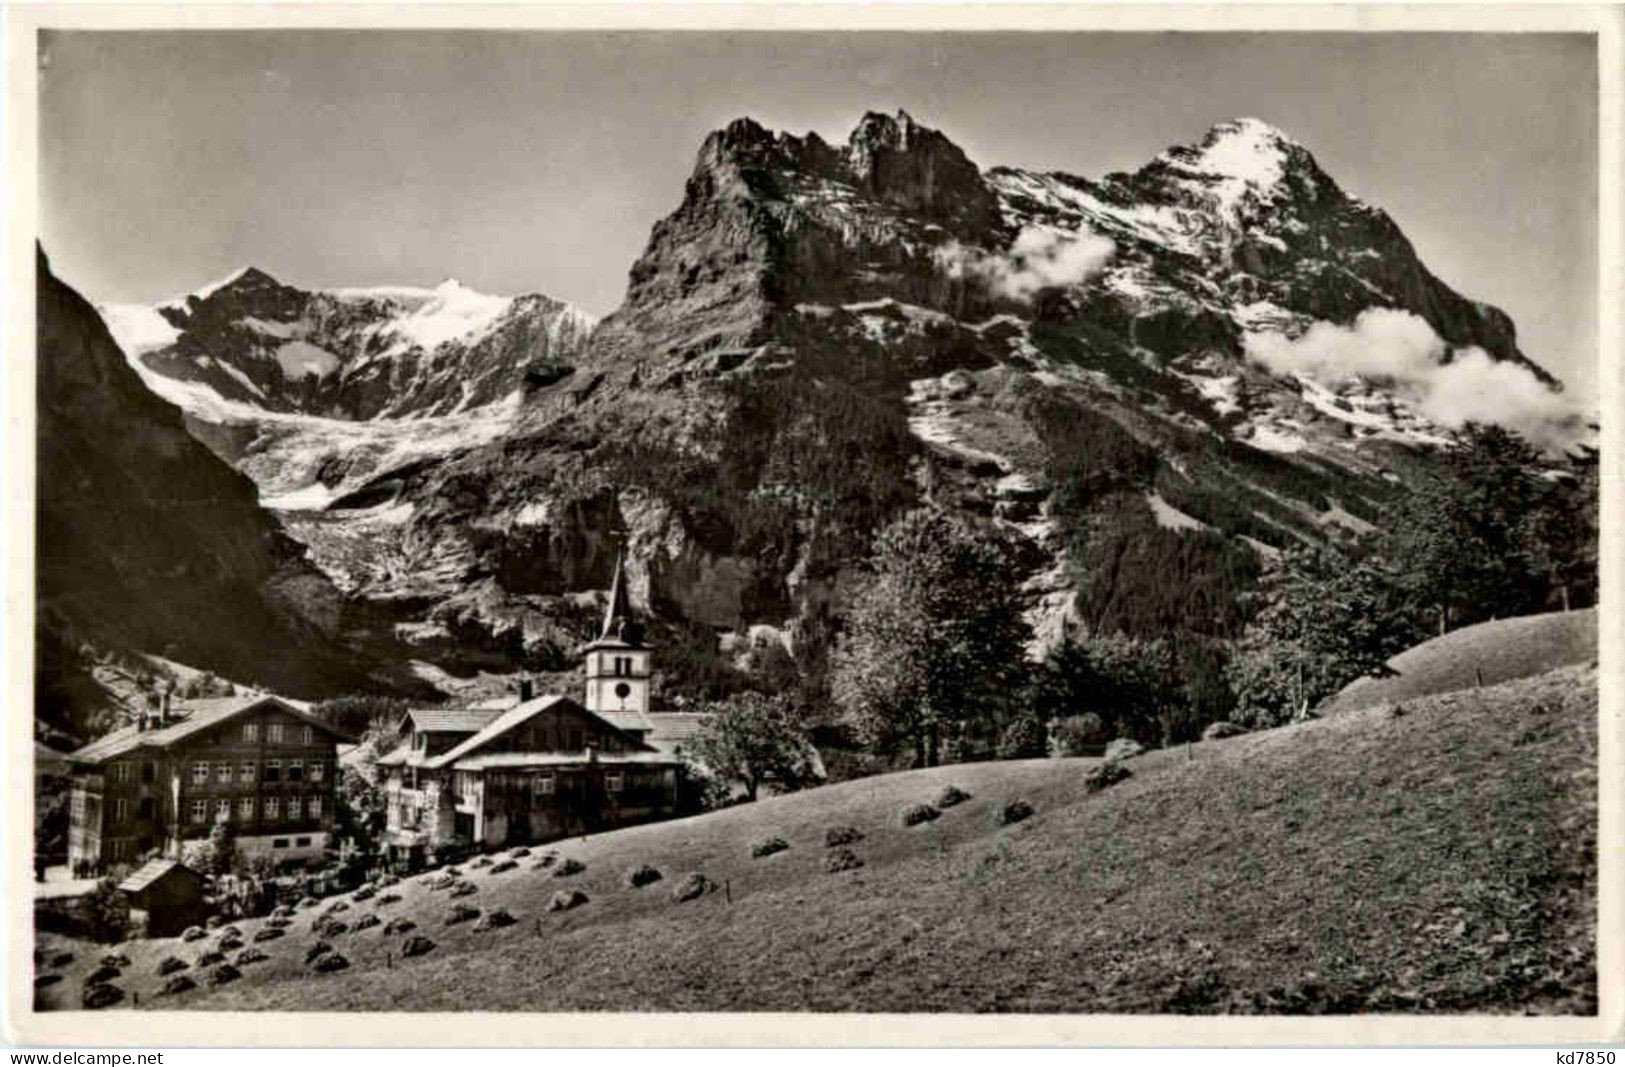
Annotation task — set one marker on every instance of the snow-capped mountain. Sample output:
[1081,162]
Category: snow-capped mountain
[386,352]
[1151,380]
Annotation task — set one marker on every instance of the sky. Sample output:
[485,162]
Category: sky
[539,161]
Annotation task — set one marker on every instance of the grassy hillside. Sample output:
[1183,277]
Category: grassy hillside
[1502,650]
[1439,860]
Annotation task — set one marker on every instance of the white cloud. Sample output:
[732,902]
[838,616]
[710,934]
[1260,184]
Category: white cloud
[1039,259]
[1448,386]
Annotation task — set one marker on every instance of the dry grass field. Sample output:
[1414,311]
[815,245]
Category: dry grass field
[1434,858]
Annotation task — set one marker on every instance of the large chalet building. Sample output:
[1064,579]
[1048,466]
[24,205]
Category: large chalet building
[256,762]
[538,767]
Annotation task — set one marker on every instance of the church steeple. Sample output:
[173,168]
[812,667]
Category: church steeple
[618,666]
[618,615]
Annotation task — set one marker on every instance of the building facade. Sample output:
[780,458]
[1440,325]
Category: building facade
[257,763]
[538,767]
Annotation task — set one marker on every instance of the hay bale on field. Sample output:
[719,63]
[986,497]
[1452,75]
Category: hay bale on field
[1013,812]
[842,859]
[641,876]
[416,946]
[916,814]
[768,847]
[842,835]
[181,983]
[951,796]
[694,886]
[565,900]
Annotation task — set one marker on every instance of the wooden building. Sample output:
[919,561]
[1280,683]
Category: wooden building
[165,897]
[540,767]
[256,762]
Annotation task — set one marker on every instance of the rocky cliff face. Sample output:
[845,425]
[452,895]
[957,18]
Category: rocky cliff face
[148,541]
[821,336]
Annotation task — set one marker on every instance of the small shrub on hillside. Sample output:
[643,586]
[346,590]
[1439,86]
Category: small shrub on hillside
[416,946]
[389,898]
[249,955]
[399,926]
[463,889]
[316,950]
[642,876]
[179,984]
[519,853]
[330,928]
[842,859]
[568,868]
[1104,775]
[546,860]
[100,996]
[951,796]
[1077,735]
[842,835]
[767,847]
[102,974]
[269,933]
[495,919]
[1218,731]
[209,959]
[1123,748]
[367,922]
[504,867]
[227,973]
[461,913]
[170,964]
[330,962]
[694,886]
[919,813]
[193,933]
[230,944]
[1013,812]
[1024,738]
[564,901]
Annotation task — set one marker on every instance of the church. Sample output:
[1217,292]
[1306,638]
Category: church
[533,768]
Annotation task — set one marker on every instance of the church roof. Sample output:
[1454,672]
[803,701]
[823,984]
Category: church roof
[620,630]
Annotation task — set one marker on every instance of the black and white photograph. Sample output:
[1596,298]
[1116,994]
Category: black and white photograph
[928,522]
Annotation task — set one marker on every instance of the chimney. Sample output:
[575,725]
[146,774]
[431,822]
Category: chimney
[527,689]
[163,708]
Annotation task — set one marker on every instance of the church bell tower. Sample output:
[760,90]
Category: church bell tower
[618,661]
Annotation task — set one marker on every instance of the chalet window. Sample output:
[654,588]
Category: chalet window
[222,773]
[149,771]
[309,736]
[200,774]
[245,772]
[544,785]
[270,807]
[280,842]
[316,769]
[121,772]
[315,807]
[251,732]
[144,808]
[121,810]
[296,770]
[222,810]
[302,842]
[245,808]
[295,804]
[273,770]
[612,783]
[200,810]
[273,733]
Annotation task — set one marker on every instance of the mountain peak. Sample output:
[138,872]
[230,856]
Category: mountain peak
[242,278]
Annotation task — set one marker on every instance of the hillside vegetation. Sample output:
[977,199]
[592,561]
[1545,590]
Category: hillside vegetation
[1435,859]
[1497,651]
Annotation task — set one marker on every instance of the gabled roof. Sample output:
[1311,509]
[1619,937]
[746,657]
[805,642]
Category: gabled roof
[499,760]
[507,721]
[191,717]
[629,721]
[452,720]
[151,872]
[672,728]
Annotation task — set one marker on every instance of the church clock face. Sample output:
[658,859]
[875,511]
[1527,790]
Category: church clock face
[622,690]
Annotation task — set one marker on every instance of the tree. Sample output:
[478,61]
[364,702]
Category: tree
[216,854]
[360,806]
[1133,685]
[1322,621]
[356,715]
[934,646]
[751,738]
[107,909]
